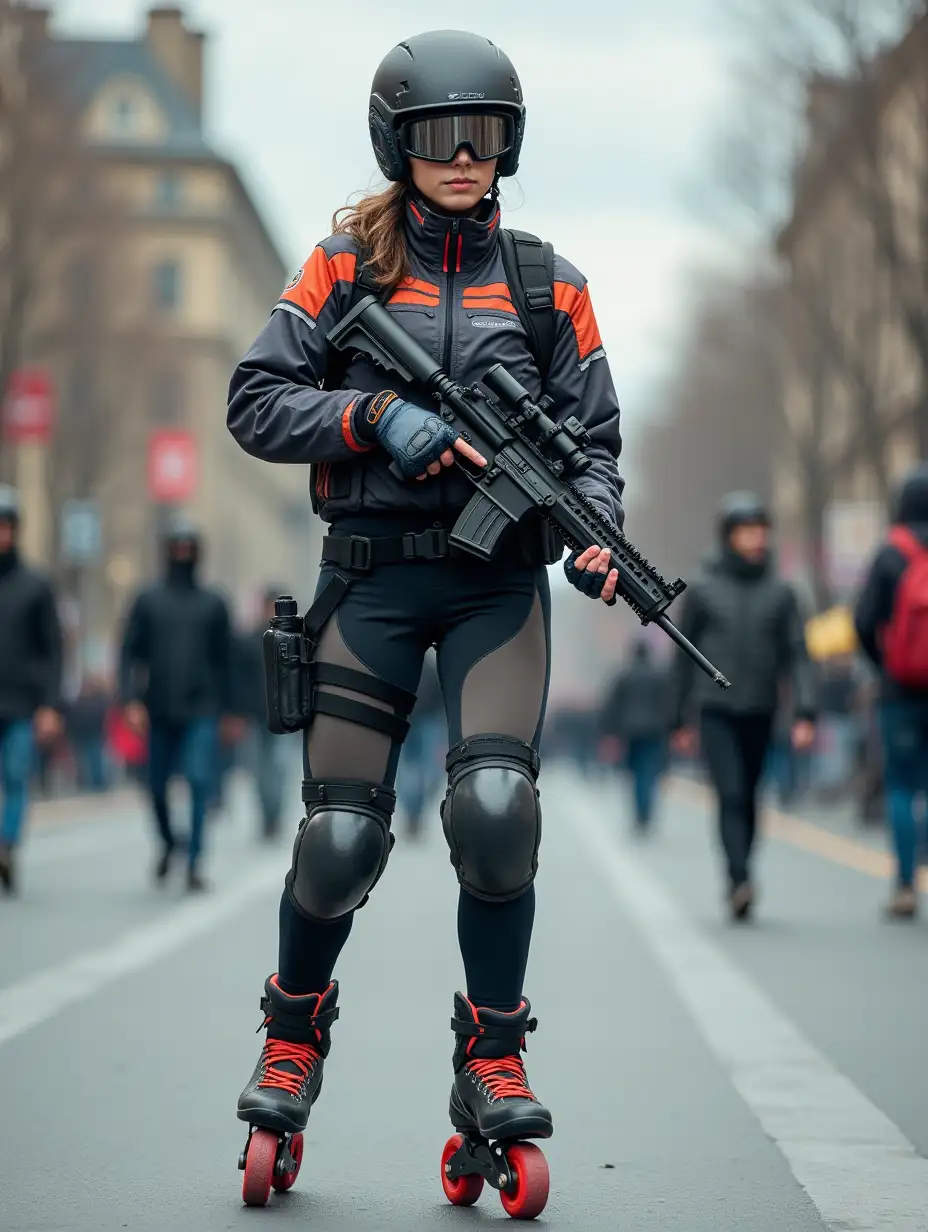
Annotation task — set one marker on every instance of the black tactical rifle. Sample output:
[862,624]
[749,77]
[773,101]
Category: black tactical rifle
[529,457]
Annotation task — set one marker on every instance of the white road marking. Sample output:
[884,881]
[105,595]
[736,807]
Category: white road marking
[31,1001]
[857,1168]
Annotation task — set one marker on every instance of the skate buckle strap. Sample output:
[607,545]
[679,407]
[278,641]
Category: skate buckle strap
[297,1022]
[492,1030]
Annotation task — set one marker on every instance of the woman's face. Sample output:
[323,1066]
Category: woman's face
[458,186]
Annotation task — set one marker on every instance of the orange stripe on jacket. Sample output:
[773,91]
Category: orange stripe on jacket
[350,439]
[318,278]
[578,307]
[493,289]
[414,297]
[490,303]
[418,284]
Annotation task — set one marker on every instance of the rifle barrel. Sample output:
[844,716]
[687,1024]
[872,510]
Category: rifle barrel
[685,644]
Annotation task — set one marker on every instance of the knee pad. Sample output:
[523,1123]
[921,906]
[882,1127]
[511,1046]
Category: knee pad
[491,816]
[341,848]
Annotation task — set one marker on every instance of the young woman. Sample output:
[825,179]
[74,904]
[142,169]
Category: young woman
[446,121]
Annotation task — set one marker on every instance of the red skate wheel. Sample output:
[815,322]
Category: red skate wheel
[259,1167]
[459,1190]
[285,1180]
[529,1194]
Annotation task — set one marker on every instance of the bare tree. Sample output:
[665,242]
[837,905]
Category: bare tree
[718,422]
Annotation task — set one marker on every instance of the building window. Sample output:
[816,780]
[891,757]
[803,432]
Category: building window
[125,114]
[167,394]
[167,286]
[168,189]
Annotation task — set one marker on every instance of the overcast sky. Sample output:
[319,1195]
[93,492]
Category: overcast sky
[623,99]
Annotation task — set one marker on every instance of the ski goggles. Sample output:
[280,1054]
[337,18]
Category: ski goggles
[438,138]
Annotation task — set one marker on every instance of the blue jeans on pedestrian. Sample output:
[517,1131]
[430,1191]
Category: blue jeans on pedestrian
[17,761]
[190,750]
[646,757]
[91,759]
[905,754]
[421,769]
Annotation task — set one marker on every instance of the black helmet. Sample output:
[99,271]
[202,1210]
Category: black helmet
[741,509]
[9,504]
[442,71]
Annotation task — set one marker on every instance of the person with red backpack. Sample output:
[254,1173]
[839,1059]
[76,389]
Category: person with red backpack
[891,619]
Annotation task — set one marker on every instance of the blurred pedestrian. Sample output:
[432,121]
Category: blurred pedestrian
[86,730]
[269,757]
[637,712]
[30,679]
[892,623]
[421,770]
[746,619]
[176,681]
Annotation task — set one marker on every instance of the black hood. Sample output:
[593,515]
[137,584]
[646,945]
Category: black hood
[740,509]
[912,499]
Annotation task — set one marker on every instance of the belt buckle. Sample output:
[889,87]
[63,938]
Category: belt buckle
[359,553]
[433,543]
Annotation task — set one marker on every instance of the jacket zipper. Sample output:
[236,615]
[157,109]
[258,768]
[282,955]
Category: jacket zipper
[449,290]
[450,270]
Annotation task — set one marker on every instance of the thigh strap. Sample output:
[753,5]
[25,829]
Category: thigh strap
[353,711]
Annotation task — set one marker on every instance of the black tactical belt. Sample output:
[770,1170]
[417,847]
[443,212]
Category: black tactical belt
[360,553]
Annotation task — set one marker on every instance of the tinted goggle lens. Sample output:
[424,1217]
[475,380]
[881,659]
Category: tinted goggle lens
[438,138]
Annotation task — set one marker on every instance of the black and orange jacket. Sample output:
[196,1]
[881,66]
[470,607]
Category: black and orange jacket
[456,303]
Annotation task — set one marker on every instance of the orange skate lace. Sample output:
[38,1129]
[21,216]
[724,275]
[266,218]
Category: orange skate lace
[502,1076]
[303,1056]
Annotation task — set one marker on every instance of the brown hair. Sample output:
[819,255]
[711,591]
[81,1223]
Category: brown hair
[377,223]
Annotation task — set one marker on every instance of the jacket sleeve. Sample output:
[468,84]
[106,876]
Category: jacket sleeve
[795,658]
[277,410]
[680,685]
[49,647]
[133,652]
[580,383]
[875,603]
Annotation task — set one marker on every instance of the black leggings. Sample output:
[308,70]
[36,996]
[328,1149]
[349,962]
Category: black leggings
[490,624]
[734,747]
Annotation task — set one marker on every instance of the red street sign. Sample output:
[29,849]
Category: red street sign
[29,406]
[172,466]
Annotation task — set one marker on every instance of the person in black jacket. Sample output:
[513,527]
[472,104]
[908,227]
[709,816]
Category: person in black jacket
[30,679]
[637,712]
[903,710]
[176,681]
[746,619]
[446,120]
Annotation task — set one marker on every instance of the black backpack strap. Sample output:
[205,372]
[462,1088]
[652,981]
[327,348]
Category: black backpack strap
[529,266]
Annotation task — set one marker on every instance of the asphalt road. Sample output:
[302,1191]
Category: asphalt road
[702,1077]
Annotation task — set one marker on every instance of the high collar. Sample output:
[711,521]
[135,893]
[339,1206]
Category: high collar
[181,574]
[738,566]
[449,243]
